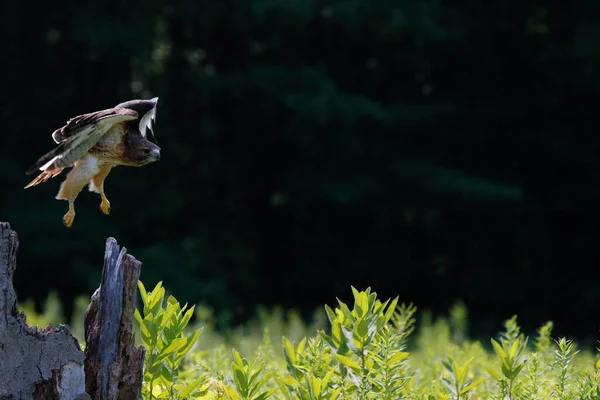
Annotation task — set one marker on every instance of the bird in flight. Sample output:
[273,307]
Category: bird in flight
[93,144]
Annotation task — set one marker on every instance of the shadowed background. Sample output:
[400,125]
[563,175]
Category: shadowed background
[439,151]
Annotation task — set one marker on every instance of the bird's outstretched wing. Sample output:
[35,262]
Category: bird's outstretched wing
[79,135]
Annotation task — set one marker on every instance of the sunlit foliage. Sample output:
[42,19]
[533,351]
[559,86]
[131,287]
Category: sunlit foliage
[367,349]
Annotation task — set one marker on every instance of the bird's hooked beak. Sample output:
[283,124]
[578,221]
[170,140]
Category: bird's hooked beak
[156,153]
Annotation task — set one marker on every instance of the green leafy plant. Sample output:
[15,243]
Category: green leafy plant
[389,364]
[543,341]
[361,342]
[361,350]
[311,370]
[457,379]
[533,387]
[564,357]
[510,355]
[249,379]
[162,333]
[509,350]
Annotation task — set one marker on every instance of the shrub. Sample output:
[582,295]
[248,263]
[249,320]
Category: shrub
[370,349]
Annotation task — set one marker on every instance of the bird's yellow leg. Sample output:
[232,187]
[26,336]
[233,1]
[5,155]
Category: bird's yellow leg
[97,185]
[105,204]
[70,215]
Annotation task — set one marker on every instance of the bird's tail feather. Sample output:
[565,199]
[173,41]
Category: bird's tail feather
[45,159]
[43,177]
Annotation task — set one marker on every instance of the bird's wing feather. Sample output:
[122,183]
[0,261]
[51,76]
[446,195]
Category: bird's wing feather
[79,135]
[76,124]
[146,121]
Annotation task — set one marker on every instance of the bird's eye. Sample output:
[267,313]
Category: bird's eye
[147,151]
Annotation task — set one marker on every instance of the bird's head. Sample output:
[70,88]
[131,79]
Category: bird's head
[139,150]
[146,110]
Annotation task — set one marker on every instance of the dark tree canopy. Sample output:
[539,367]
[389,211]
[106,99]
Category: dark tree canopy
[440,151]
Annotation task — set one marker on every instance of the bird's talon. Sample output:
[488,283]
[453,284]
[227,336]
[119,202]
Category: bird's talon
[105,207]
[68,219]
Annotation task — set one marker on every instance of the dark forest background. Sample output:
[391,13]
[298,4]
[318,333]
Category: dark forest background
[439,151]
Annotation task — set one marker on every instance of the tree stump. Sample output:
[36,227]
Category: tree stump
[34,364]
[113,365]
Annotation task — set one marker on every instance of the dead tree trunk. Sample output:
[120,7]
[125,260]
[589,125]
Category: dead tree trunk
[45,364]
[113,365]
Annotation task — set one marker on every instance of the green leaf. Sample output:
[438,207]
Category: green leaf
[449,384]
[398,356]
[513,349]
[515,371]
[231,394]
[254,375]
[448,365]
[372,301]
[361,304]
[335,394]
[265,395]
[149,332]
[362,328]
[189,388]
[349,335]
[301,346]
[471,386]
[346,312]
[330,314]
[355,293]
[458,372]
[172,300]
[390,311]
[189,343]
[360,333]
[348,362]
[499,350]
[143,292]
[286,387]
[289,352]
[138,316]
[315,387]
[186,318]
[337,334]
[169,313]
[238,359]
[288,381]
[166,375]
[155,299]
[173,347]
[155,369]
[240,378]
[327,377]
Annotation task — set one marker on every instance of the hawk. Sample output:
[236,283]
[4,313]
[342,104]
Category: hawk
[93,144]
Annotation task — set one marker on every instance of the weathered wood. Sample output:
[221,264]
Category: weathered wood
[34,364]
[113,365]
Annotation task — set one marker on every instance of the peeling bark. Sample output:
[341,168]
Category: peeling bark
[113,365]
[34,364]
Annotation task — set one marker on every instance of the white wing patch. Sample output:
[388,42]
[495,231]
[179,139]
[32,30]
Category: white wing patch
[146,121]
[49,163]
[73,151]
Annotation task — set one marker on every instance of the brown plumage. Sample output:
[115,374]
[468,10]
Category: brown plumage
[94,143]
